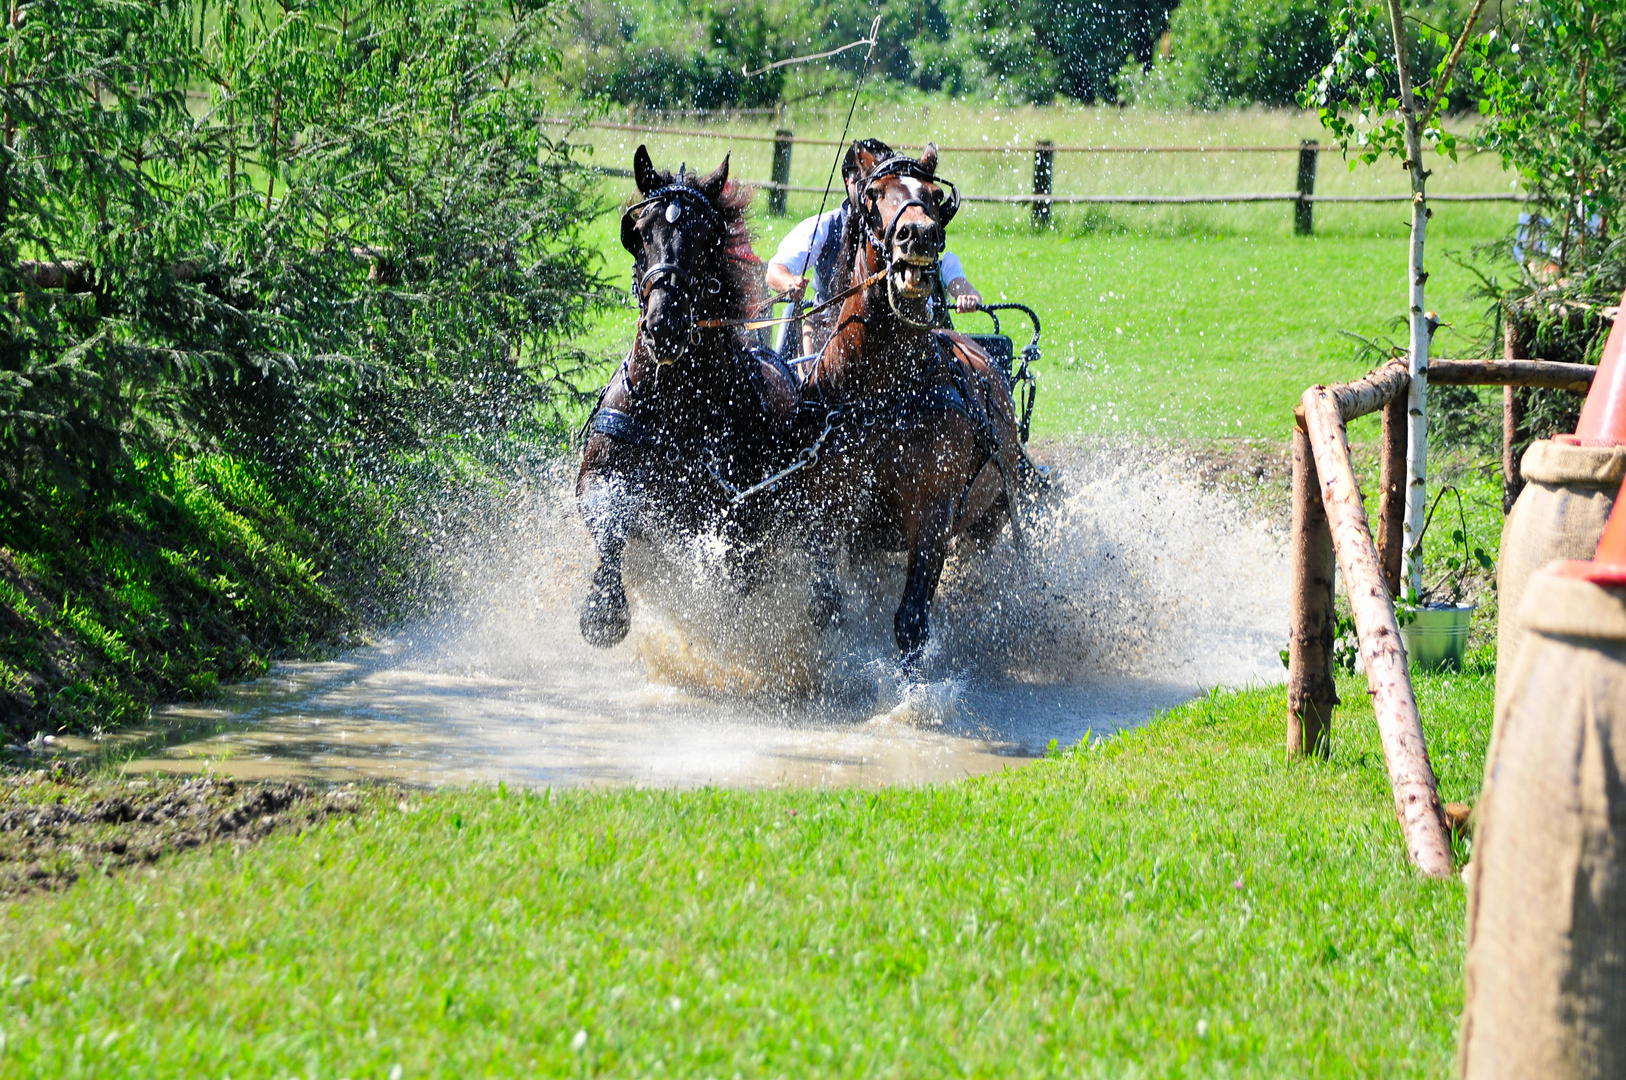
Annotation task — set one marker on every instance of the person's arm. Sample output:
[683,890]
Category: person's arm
[966,297]
[791,265]
[782,279]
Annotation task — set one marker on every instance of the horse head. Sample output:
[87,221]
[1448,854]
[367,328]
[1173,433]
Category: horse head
[904,211]
[678,233]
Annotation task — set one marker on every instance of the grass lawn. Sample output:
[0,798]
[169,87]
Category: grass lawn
[1179,901]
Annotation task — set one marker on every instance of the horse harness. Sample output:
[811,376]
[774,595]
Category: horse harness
[623,426]
[896,410]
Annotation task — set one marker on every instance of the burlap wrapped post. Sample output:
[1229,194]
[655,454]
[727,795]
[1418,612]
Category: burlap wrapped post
[1547,885]
[1569,491]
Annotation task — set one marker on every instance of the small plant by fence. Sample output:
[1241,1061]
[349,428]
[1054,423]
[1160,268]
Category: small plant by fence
[1044,151]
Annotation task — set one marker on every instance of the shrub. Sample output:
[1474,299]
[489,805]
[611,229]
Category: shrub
[1225,52]
[1237,52]
[363,241]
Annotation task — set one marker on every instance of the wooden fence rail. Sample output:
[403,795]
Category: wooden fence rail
[1329,532]
[1044,152]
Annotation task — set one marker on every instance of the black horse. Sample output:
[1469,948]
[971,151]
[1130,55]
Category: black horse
[698,404]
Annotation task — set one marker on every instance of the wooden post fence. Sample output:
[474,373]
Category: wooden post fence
[1311,691]
[1304,210]
[1322,474]
[1513,347]
[1392,491]
[1044,175]
[782,144]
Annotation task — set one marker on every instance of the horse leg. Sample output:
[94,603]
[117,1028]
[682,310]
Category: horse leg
[606,617]
[744,554]
[928,549]
[823,590]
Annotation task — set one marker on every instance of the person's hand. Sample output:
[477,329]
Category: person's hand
[781,280]
[965,302]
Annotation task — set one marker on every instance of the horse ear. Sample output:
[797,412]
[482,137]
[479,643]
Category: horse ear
[928,159]
[643,171]
[711,186]
[867,160]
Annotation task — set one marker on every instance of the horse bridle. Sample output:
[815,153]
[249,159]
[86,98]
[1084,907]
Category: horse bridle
[680,195]
[914,170]
[882,243]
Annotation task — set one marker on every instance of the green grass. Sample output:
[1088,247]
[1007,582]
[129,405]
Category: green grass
[190,574]
[195,571]
[1179,901]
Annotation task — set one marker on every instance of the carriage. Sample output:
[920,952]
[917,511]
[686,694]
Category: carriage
[1019,377]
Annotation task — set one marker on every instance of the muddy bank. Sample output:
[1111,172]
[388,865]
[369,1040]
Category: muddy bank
[59,824]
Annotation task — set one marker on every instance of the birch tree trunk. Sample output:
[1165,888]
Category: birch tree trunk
[1417,361]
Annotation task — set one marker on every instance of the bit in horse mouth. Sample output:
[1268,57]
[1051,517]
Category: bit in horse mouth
[914,279]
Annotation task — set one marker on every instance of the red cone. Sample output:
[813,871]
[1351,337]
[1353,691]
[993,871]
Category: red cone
[1603,417]
[1608,566]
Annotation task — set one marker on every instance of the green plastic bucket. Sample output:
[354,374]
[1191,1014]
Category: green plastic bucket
[1437,636]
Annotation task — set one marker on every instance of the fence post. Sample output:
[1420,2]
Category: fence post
[1044,171]
[1303,210]
[781,172]
[1392,491]
[1513,348]
[1311,691]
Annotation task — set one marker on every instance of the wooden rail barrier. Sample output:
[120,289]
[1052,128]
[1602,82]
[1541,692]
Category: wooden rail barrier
[1329,532]
[1044,170]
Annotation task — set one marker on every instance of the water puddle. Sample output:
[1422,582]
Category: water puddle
[1139,590]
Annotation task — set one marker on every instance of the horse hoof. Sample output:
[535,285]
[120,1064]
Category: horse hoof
[605,616]
[824,609]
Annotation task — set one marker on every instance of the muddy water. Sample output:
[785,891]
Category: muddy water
[1139,588]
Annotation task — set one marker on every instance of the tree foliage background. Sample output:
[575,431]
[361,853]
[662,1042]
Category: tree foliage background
[314,229]
[1547,79]
[690,54]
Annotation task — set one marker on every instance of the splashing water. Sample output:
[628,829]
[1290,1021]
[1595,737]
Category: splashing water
[1138,588]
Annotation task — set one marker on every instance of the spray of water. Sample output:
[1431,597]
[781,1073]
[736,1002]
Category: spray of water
[1139,587]
[1132,569]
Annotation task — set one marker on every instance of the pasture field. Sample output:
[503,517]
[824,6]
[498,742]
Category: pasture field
[1178,901]
[963,124]
[1211,334]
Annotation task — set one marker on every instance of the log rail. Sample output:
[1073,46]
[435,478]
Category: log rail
[1330,532]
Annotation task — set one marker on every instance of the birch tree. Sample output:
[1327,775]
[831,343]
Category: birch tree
[1370,103]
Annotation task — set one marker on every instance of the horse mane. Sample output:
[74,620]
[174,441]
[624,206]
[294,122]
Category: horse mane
[740,272]
[852,234]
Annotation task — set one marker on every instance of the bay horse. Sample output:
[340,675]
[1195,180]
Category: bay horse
[925,440]
[696,401]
